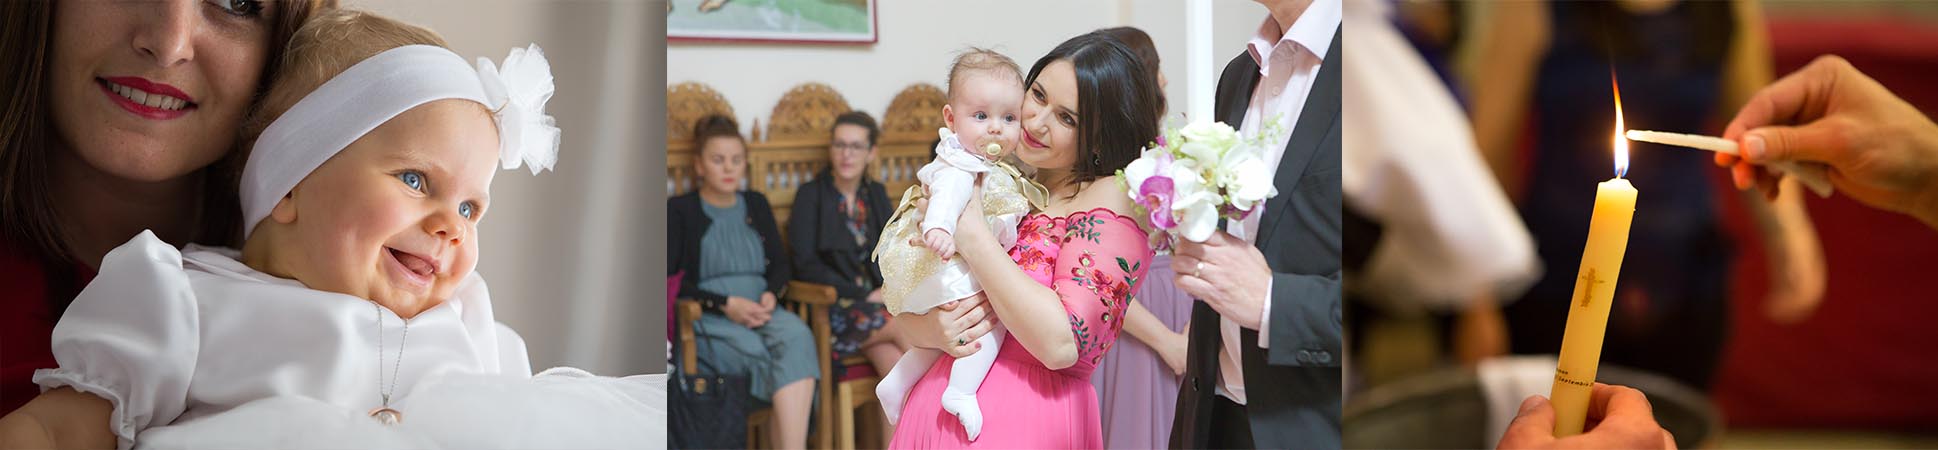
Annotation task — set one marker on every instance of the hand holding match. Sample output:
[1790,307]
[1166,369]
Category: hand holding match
[1812,175]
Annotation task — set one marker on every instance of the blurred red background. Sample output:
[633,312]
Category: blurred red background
[1868,358]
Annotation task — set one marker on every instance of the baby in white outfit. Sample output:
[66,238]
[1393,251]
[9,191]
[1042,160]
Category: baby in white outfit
[371,160]
[985,99]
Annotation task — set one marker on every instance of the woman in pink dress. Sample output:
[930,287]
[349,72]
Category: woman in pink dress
[1087,110]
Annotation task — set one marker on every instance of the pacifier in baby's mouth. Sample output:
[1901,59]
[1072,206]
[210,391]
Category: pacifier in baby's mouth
[990,145]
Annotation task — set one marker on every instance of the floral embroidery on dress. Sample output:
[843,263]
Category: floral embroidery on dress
[1084,227]
[1082,331]
[1031,258]
[1041,242]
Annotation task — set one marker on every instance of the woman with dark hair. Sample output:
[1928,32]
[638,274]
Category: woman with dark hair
[727,244]
[837,219]
[85,165]
[1088,108]
[1146,49]
[1142,375]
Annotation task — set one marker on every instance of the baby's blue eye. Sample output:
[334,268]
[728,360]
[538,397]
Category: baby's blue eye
[413,179]
[466,209]
[982,115]
[1009,118]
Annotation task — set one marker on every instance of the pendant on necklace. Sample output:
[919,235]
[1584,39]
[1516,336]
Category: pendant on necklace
[387,416]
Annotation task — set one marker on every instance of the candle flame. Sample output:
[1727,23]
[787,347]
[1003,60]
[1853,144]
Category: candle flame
[1621,144]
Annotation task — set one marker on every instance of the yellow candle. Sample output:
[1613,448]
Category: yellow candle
[1581,341]
[1601,262]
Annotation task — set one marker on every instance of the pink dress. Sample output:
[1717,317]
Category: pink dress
[1093,259]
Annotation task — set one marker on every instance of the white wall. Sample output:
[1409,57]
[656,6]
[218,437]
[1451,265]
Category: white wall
[563,251]
[917,39]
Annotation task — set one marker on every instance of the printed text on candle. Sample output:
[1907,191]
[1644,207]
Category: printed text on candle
[1560,375]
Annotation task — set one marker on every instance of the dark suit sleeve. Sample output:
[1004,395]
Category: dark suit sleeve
[1306,326]
[779,270]
[803,232]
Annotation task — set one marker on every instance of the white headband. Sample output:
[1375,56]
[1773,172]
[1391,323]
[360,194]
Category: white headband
[379,88]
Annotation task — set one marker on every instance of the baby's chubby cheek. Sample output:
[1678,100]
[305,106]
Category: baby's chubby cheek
[466,262]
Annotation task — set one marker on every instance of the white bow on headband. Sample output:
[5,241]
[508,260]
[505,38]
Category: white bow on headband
[379,88]
[518,94]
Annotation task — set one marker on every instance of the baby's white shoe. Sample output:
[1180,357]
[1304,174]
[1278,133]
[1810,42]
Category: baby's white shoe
[964,406]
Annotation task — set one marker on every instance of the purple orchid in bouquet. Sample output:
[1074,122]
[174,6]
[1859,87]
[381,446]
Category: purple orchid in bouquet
[1191,177]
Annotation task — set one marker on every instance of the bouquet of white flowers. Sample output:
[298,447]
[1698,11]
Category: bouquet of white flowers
[1191,177]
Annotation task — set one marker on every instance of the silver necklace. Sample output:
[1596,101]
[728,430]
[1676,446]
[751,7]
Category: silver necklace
[384,413]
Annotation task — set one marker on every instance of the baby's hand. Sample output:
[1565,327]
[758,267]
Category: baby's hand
[940,242]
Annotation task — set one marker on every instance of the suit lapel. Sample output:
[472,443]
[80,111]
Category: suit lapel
[1318,118]
[1238,98]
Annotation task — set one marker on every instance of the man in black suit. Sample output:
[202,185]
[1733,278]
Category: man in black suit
[1278,271]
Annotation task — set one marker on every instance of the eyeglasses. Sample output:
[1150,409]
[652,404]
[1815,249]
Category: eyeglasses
[852,147]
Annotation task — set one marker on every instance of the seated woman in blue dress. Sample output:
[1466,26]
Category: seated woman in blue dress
[726,242]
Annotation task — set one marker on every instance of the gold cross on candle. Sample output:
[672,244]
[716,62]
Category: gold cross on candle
[1588,282]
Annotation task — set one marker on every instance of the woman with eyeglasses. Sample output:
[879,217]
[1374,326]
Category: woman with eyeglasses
[836,221]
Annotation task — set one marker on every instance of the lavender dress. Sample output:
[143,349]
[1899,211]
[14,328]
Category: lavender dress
[1134,386]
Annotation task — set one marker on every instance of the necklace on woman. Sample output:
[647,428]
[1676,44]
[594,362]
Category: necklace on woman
[383,413]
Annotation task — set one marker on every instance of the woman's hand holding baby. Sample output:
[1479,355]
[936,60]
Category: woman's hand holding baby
[971,228]
[942,328]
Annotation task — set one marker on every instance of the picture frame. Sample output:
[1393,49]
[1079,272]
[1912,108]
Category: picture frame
[773,21]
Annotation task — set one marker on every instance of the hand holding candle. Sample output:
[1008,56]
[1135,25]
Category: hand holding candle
[1813,175]
[1601,262]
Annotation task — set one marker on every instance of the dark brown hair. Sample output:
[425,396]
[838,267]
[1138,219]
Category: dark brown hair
[1140,43]
[860,119]
[28,220]
[1117,103]
[715,126]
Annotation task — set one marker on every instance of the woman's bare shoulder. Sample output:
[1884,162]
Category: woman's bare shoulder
[1108,192]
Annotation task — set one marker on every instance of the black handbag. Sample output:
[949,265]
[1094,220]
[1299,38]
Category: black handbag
[707,411]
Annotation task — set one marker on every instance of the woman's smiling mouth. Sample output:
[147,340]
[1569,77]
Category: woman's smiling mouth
[1030,140]
[148,99]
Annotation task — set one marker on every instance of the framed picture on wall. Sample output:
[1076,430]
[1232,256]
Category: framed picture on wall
[787,21]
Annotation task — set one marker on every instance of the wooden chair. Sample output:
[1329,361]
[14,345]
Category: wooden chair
[686,103]
[792,150]
[908,136]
